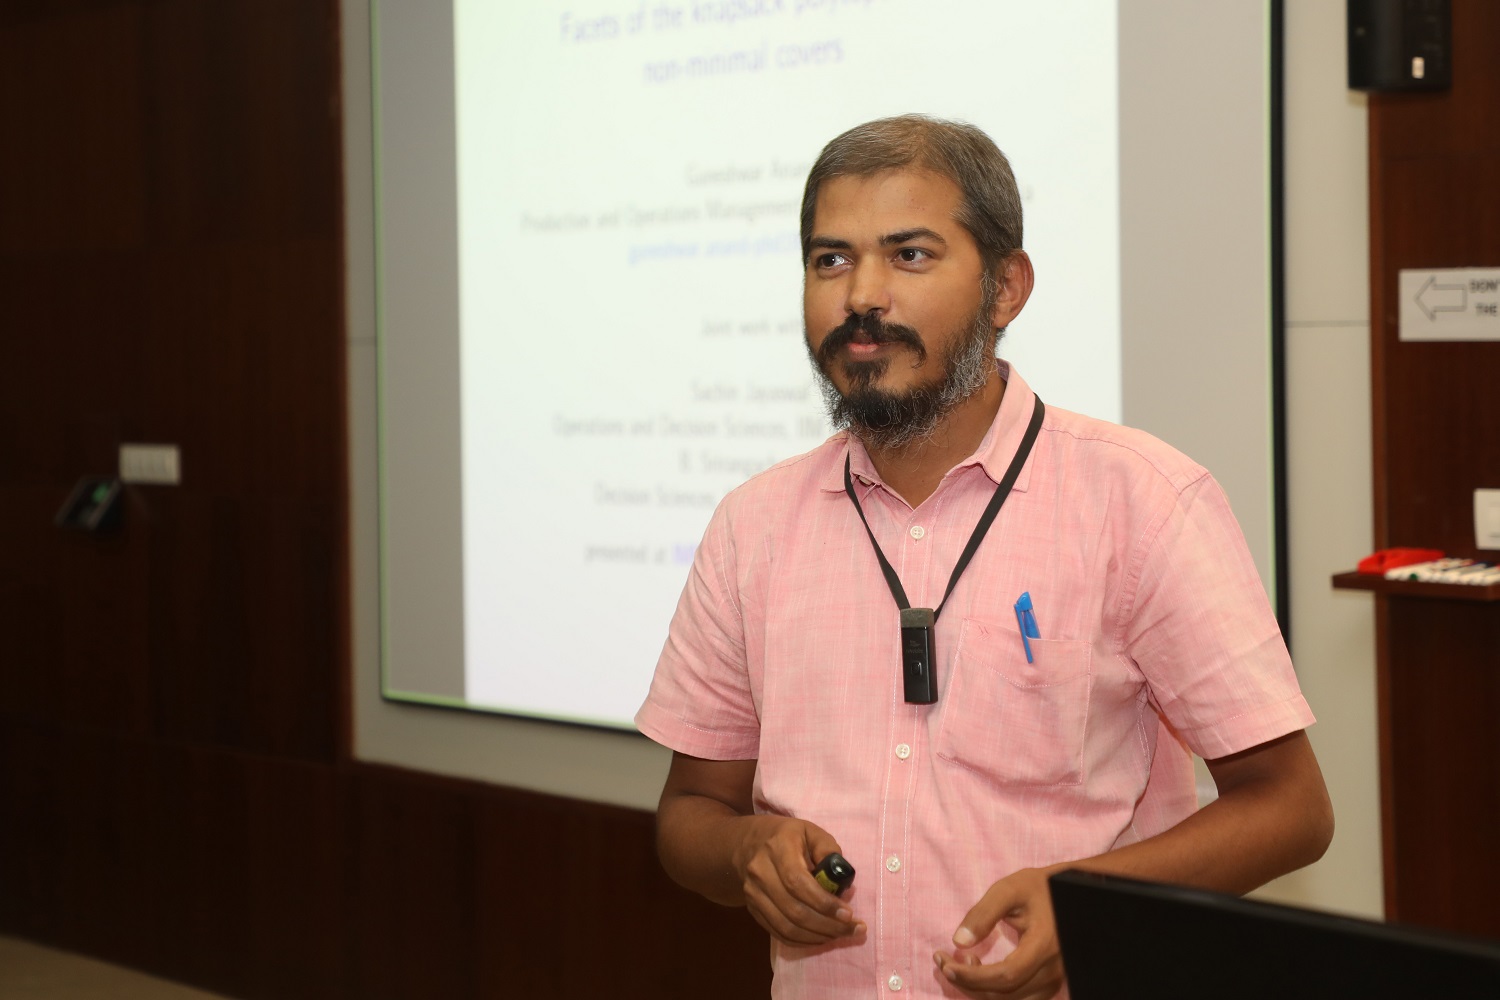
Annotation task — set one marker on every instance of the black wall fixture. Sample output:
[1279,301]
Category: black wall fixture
[1400,45]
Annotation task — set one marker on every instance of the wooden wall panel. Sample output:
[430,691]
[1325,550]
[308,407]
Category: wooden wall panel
[173,273]
[1434,162]
[30,828]
[1443,438]
[245,366]
[175,788]
[243,622]
[243,131]
[1434,158]
[73,177]
[31,655]
[147,809]
[1447,783]
[299,894]
[78,320]
[562,880]
[101,634]
[410,916]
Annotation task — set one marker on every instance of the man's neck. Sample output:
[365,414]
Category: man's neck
[915,470]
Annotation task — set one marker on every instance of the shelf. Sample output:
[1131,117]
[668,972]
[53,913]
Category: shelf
[1411,588]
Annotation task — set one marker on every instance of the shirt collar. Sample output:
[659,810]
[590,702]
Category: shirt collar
[993,455]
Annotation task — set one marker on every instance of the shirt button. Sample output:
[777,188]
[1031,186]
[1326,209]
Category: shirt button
[895,982]
[893,863]
[917,531]
[903,751]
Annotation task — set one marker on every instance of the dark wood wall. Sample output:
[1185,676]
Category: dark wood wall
[1434,172]
[176,792]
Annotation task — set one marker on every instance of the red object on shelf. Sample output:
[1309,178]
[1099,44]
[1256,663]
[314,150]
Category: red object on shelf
[1387,559]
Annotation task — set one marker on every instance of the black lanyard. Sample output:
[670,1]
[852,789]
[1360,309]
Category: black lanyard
[917,623]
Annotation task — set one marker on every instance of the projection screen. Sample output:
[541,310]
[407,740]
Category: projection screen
[583,290]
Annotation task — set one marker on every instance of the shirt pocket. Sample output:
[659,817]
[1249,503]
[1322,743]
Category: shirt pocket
[1017,723]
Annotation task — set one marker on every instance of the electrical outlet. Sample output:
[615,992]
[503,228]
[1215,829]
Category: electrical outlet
[158,464]
[1487,519]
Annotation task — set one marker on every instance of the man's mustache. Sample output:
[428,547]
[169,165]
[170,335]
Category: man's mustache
[872,327]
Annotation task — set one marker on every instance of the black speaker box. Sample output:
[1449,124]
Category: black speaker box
[1400,45]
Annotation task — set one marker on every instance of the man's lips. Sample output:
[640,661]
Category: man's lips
[862,337]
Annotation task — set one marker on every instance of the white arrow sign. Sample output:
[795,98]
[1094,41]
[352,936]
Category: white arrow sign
[1462,304]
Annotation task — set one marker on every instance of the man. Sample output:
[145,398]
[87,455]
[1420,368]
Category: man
[1063,719]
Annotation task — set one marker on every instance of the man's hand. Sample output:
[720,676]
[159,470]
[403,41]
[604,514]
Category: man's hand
[775,857]
[1272,816]
[711,841]
[1034,971]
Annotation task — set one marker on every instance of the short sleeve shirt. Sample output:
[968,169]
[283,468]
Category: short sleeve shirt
[1156,641]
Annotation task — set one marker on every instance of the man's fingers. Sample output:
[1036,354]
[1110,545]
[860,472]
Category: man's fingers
[820,844]
[1034,968]
[1032,956]
[1021,900]
[992,907]
[794,867]
[800,928]
[786,909]
[1015,978]
[796,925]
[787,869]
[787,901]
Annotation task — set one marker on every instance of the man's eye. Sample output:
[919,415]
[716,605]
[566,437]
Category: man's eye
[831,260]
[911,255]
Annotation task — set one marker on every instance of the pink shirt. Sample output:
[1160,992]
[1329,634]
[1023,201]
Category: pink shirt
[1156,639]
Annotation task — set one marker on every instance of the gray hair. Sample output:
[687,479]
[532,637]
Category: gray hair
[991,205]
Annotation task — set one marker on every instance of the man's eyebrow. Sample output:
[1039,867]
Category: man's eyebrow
[890,239]
[907,235]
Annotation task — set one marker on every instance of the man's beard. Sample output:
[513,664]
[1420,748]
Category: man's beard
[888,420]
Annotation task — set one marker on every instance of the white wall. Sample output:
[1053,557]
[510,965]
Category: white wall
[1328,445]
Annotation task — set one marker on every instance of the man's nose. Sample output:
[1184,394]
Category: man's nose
[868,290]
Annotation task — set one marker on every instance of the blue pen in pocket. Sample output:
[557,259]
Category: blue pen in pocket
[1026,623]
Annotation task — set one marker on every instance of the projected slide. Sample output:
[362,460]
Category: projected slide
[630,338]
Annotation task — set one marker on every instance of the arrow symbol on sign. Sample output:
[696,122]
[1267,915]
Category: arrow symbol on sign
[1442,306]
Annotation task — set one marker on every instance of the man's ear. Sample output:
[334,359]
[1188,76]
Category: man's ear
[1015,278]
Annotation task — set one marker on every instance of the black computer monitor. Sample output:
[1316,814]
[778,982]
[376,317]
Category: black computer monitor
[1122,938]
